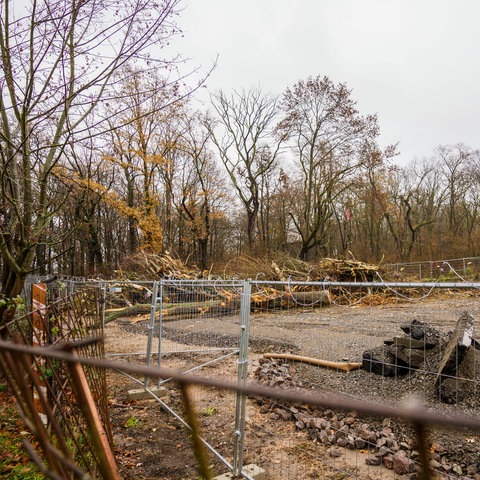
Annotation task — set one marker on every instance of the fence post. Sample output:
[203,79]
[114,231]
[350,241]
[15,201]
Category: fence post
[107,463]
[242,378]
[40,337]
[103,287]
[160,328]
[151,326]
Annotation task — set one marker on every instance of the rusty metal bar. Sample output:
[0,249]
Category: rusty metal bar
[413,413]
[43,386]
[421,433]
[107,464]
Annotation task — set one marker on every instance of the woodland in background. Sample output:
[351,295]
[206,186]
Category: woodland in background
[107,158]
[206,188]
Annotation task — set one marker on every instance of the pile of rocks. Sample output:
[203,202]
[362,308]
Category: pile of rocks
[448,357]
[394,447]
[400,355]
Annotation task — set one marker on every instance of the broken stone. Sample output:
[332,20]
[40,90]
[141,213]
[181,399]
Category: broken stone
[382,451]
[302,417]
[348,420]
[299,425]
[284,414]
[421,330]
[379,360]
[381,442]
[413,358]
[402,465]
[319,423]
[365,433]
[335,452]
[373,461]
[404,446]
[323,436]
[457,469]
[359,443]
[388,461]
[453,356]
[409,342]
[350,443]
[342,441]
[471,470]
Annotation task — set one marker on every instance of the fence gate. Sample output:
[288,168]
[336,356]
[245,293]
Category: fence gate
[201,327]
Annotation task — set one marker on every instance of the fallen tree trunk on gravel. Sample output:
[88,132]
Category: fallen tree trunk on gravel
[175,311]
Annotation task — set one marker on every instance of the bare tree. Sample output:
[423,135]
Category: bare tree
[455,162]
[366,203]
[471,204]
[327,135]
[142,150]
[246,145]
[58,60]
[203,190]
[414,201]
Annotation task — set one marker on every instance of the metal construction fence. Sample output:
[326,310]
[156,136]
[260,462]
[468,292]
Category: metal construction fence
[465,268]
[307,336]
[307,380]
[189,330]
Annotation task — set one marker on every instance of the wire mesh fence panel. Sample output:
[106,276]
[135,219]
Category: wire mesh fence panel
[198,329]
[320,351]
[398,346]
[64,405]
[455,269]
[194,327]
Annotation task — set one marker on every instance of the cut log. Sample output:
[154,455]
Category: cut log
[177,310]
[138,309]
[344,366]
[280,299]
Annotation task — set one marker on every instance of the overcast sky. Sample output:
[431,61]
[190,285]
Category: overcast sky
[416,63]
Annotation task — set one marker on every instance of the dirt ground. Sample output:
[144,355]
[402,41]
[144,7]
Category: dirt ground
[152,444]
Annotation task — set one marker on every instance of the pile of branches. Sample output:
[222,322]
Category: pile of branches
[277,267]
[283,268]
[346,270]
[147,265]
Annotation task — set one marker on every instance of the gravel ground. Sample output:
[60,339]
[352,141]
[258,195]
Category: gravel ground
[338,334]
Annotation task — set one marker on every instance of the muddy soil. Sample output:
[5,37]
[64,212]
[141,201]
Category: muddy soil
[152,444]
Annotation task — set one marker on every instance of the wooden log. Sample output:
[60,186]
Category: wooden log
[344,366]
[178,310]
[279,300]
[138,309]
